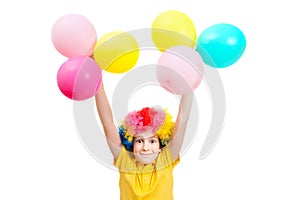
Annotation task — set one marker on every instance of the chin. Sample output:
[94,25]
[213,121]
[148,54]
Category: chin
[146,158]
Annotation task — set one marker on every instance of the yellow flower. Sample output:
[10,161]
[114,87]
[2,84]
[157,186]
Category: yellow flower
[128,136]
[165,131]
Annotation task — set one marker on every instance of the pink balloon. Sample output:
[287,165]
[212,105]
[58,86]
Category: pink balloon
[180,69]
[79,78]
[74,35]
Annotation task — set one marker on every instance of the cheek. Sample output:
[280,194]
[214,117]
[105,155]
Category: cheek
[137,147]
[155,147]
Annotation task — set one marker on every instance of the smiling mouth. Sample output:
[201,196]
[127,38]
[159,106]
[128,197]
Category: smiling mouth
[146,154]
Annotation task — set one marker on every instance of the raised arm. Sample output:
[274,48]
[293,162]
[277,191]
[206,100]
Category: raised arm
[106,117]
[180,124]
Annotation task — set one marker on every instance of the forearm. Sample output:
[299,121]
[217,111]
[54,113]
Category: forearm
[104,109]
[181,123]
[185,107]
[106,117]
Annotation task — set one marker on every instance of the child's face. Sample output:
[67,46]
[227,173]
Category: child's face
[146,147]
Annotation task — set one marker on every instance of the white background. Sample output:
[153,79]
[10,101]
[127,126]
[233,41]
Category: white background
[257,157]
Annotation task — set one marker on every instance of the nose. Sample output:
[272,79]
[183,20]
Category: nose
[146,146]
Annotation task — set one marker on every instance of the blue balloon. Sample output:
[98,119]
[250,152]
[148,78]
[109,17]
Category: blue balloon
[221,45]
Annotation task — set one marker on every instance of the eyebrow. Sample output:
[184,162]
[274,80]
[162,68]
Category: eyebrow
[151,137]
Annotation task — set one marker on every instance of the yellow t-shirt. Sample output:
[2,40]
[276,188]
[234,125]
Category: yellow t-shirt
[146,182]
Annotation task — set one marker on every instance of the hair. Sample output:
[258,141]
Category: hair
[156,120]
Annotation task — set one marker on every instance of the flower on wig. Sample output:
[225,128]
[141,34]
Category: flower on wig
[155,120]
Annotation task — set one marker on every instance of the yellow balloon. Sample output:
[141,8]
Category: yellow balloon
[116,52]
[172,28]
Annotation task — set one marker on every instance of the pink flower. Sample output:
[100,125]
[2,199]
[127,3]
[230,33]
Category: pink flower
[145,119]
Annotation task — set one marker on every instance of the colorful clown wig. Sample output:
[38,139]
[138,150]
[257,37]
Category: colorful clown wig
[155,120]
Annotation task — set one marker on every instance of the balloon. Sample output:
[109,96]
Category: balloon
[173,28]
[79,78]
[180,69]
[73,35]
[221,45]
[116,52]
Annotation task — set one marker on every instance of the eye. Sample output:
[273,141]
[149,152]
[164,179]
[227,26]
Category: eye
[139,141]
[153,141]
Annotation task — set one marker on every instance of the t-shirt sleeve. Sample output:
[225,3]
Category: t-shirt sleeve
[125,160]
[165,158]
